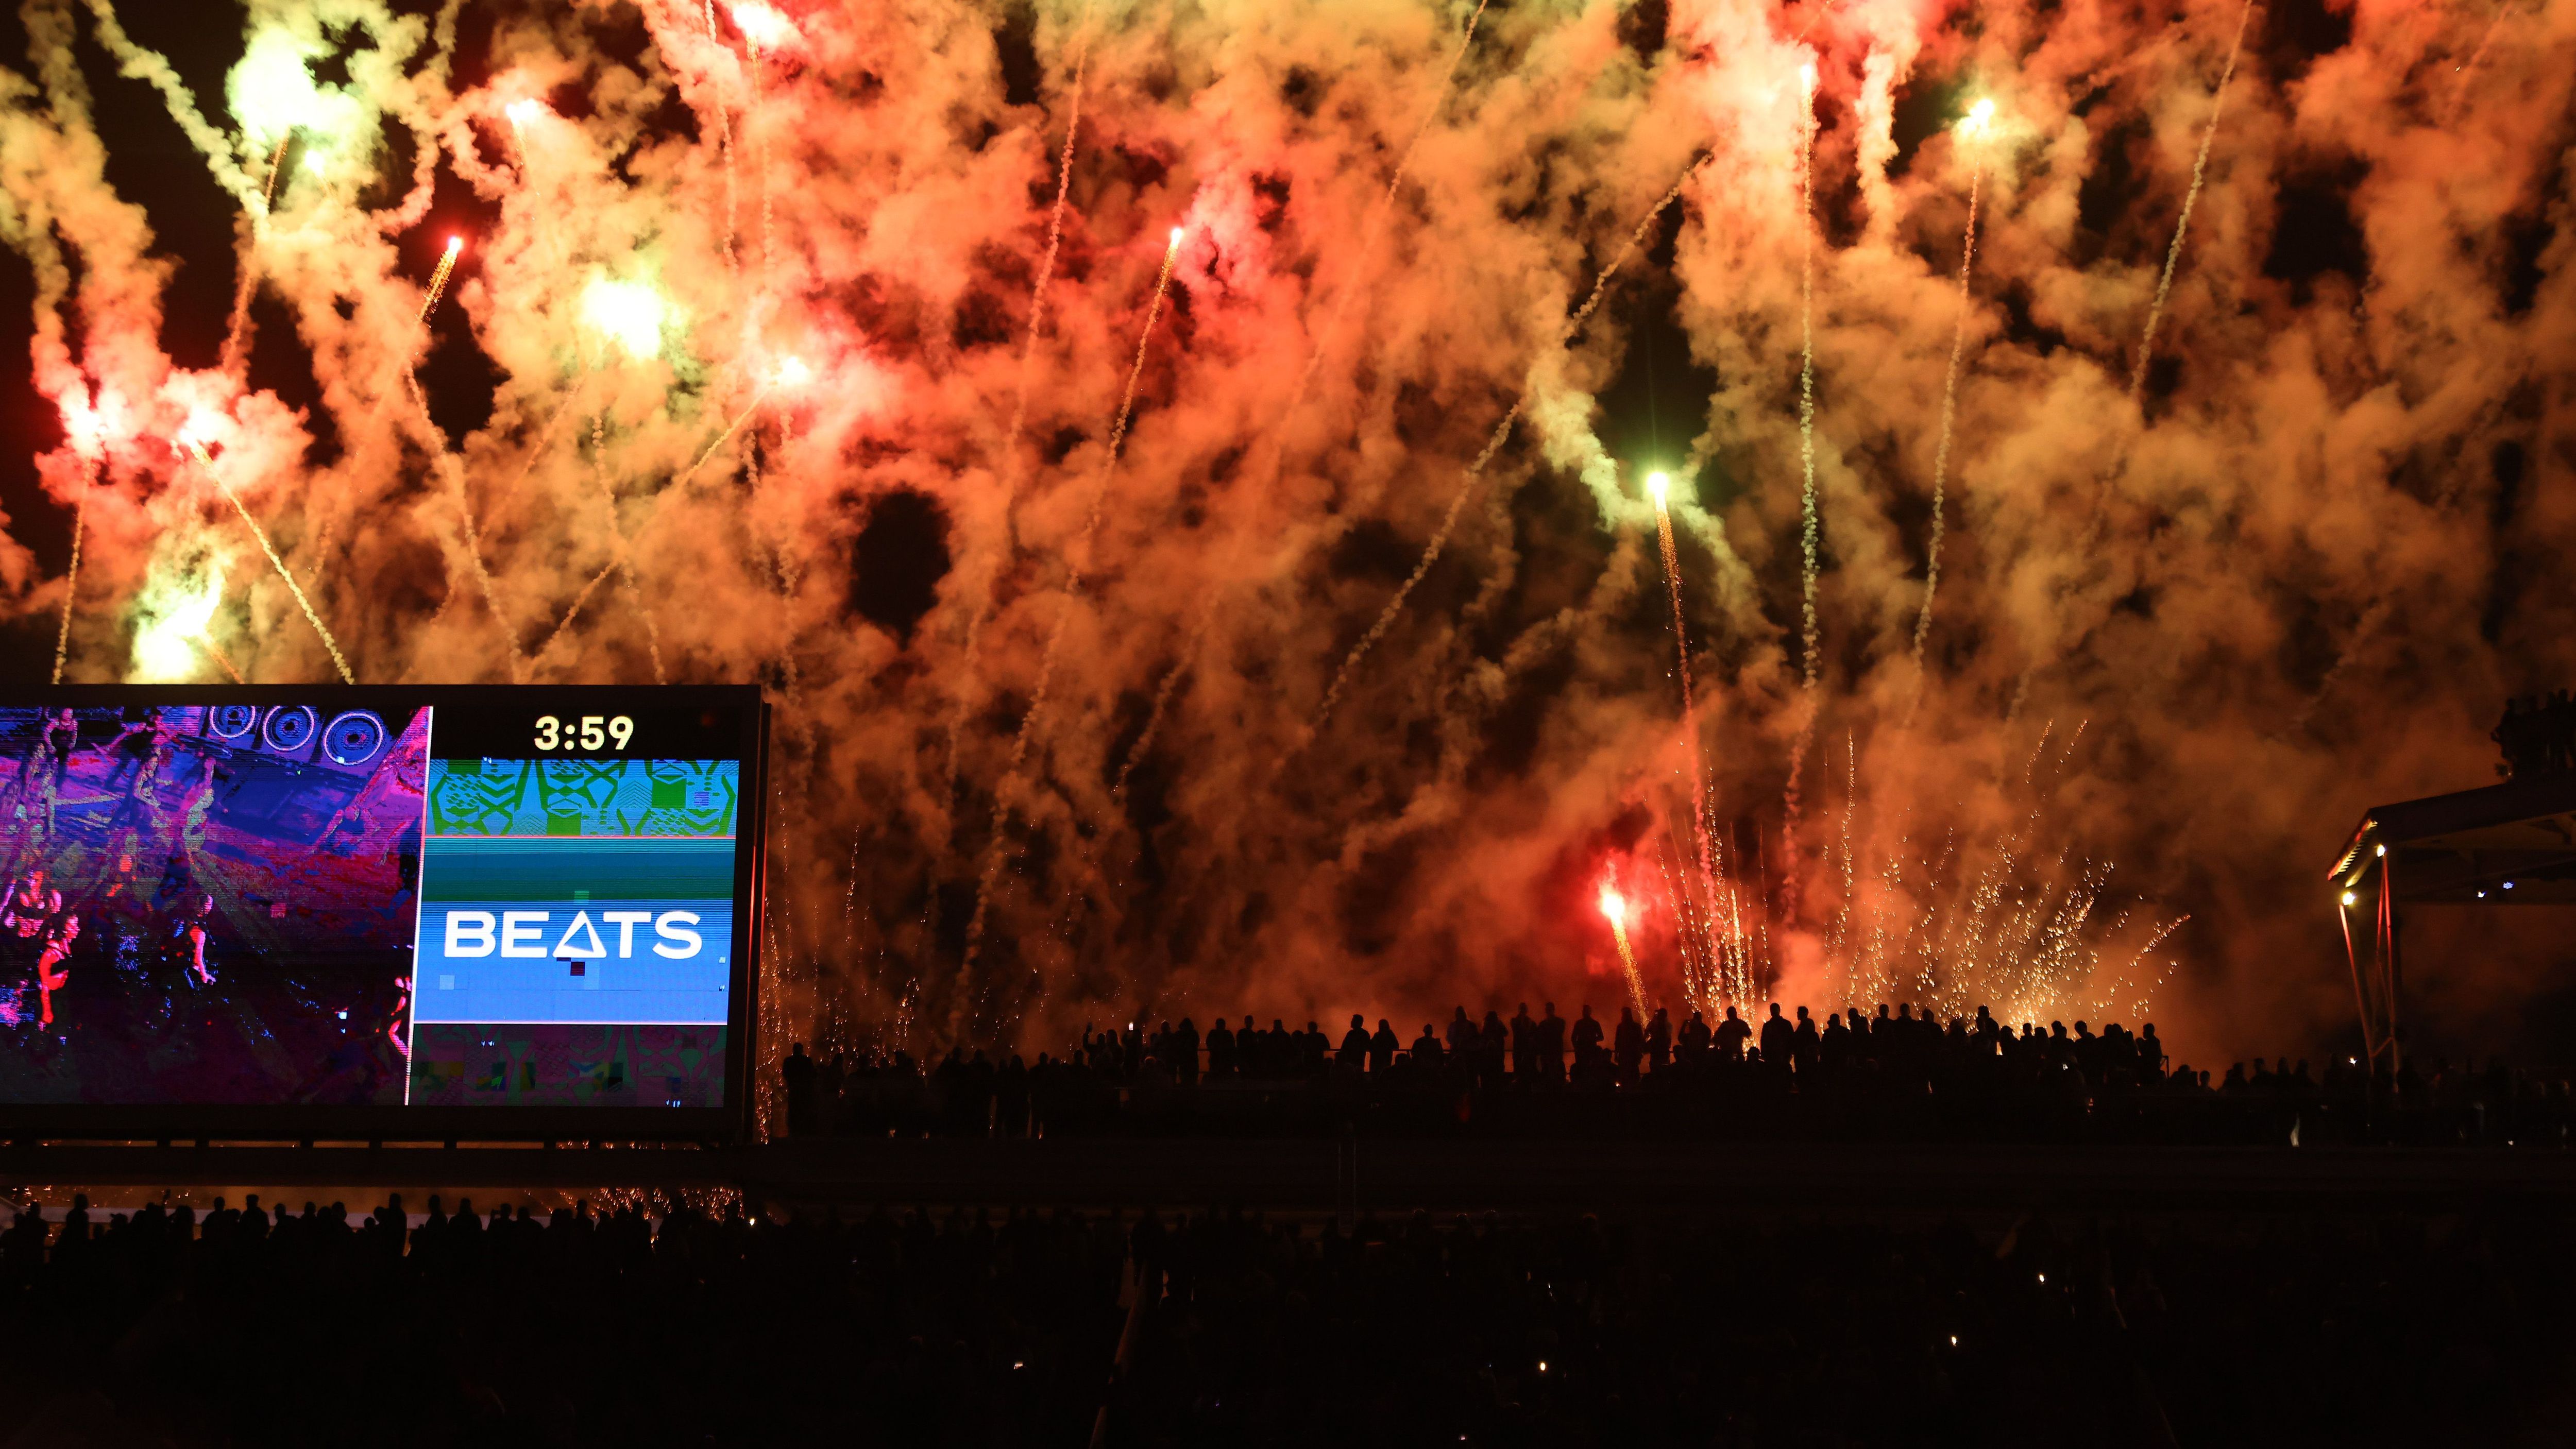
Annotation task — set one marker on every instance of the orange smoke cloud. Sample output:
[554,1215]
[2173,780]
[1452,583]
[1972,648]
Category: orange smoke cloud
[724,388]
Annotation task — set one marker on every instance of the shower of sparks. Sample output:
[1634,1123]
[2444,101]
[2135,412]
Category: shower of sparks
[1659,486]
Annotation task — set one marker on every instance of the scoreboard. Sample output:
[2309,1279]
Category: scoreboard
[379,911]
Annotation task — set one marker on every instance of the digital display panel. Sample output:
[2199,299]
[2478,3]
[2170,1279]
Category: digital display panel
[434,902]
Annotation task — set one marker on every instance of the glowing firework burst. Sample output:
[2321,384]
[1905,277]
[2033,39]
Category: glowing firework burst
[762,26]
[170,629]
[630,314]
[1614,908]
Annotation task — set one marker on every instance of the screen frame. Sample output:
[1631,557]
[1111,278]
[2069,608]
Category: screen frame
[732,1122]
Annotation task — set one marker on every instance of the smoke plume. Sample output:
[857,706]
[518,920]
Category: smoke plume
[736,378]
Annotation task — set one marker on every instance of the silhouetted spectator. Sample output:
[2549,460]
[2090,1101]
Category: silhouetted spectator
[1353,1057]
[1777,1036]
[1834,1049]
[1552,1037]
[1587,1038]
[1382,1047]
[798,1073]
[1426,1048]
[1732,1034]
[1011,1098]
[1627,1046]
[1462,1035]
[1697,1041]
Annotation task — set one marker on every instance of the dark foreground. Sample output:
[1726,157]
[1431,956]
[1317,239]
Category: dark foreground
[975,1328]
[1354,1174]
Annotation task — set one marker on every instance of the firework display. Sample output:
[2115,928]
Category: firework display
[1172,471]
[374,898]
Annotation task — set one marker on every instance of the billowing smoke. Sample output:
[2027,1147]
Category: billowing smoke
[771,353]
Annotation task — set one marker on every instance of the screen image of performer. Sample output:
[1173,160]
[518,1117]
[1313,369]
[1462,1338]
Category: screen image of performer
[29,811]
[155,849]
[191,937]
[52,974]
[134,750]
[32,902]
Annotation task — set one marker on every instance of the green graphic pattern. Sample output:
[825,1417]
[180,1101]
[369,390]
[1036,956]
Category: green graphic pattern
[688,799]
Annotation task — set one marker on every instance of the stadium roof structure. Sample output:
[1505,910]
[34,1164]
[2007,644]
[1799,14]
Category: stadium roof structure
[2508,844]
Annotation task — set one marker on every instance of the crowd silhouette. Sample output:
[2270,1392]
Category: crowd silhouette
[1891,1073]
[2537,735]
[674,1326]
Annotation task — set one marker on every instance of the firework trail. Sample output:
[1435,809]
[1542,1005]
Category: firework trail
[2190,198]
[1972,130]
[71,583]
[1207,608]
[453,469]
[268,193]
[438,279]
[134,61]
[788,374]
[621,555]
[1370,235]
[1475,472]
[767,32]
[2468,68]
[519,113]
[1851,798]
[724,148]
[1807,486]
[523,113]
[1077,560]
[1688,927]
[246,284]
[1658,485]
[197,449]
[624,556]
[573,612]
[764,29]
[966,689]
[1616,909]
[206,642]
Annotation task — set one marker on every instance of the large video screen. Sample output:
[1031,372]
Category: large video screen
[434,898]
